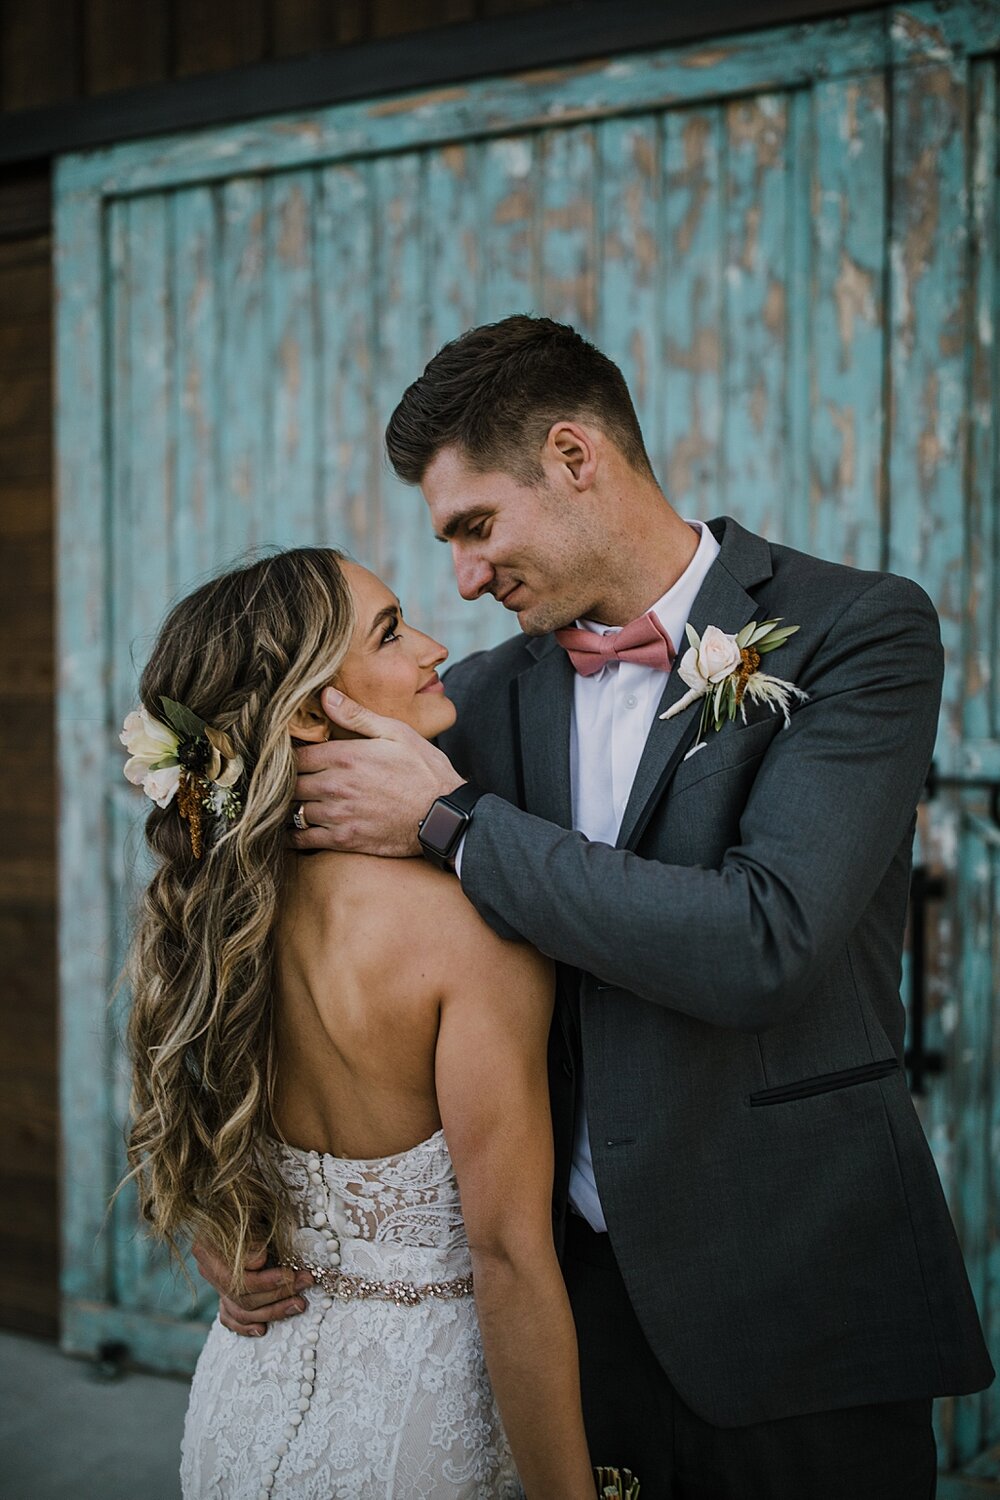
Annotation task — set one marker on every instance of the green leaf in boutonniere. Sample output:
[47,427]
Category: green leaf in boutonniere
[724,670]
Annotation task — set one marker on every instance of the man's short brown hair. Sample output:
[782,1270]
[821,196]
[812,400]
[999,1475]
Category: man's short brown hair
[495,392]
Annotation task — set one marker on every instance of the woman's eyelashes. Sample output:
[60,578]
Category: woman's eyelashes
[391,632]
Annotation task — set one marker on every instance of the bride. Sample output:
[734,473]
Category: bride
[335,1057]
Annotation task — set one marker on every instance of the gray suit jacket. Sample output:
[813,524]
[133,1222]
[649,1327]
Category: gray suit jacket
[729,981]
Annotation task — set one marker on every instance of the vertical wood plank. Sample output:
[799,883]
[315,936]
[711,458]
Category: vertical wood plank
[197,343]
[800,149]
[82,719]
[976,1092]
[694,147]
[41,56]
[508,196]
[981,685]
[399,348]
[292,360]
[452,247]
[971,1052]
[349,444]
[125,502]
[569,228]
[754,377]
[452,257]
[211,38]
[29,1076]
[849,240]
[303,26]
[140,548]
[244,407]
[627,316]
[125,45]
[143,523]
[394,17]
[928,329]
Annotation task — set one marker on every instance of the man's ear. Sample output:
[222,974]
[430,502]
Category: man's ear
[574,447]
[309,723]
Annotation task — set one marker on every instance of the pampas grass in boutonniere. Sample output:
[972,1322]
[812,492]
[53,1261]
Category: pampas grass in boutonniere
[617,1484]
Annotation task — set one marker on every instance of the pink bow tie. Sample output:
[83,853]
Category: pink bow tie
[643,641]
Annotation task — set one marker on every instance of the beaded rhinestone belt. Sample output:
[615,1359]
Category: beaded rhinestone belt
[403,1293]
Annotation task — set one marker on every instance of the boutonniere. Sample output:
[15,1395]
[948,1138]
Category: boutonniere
[724,670]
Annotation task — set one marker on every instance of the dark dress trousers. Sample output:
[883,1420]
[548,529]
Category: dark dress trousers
[729,983]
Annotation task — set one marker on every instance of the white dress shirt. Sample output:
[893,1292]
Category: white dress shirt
[613,712]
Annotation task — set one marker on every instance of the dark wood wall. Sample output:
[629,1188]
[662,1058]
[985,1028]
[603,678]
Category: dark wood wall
[28,1119]
[55,52]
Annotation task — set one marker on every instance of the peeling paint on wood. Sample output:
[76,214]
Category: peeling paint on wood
[848,248]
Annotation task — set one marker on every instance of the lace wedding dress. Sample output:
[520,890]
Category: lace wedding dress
[378,1391]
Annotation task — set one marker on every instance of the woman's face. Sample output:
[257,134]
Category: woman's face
[390,667]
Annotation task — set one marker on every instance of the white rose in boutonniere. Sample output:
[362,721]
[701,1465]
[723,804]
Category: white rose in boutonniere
[725,669]
[717,655]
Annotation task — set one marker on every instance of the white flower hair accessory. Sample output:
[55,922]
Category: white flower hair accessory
[724,670]
[183,758]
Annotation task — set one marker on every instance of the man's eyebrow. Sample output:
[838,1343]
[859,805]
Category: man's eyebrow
[458,519]
[390,612]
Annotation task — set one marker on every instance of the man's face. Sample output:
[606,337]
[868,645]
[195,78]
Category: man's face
[527,545]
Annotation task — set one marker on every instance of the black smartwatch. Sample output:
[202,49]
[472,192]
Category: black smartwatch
[441,831]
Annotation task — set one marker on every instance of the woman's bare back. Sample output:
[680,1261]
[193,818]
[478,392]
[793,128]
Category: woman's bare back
[360,975]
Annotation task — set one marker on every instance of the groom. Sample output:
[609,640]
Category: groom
[766,1283]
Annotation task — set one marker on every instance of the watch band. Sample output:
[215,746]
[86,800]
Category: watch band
[448,817]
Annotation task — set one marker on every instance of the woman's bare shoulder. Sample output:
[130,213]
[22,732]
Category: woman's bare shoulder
[419,913]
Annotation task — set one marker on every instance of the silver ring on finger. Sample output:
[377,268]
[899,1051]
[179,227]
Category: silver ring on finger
[299,818]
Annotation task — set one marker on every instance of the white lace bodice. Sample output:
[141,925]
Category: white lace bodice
[365,1396]
[410,1199]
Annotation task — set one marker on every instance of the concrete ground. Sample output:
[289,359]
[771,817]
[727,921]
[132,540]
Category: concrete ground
[66,1432]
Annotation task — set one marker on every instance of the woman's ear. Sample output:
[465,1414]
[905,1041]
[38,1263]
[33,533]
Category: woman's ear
[309,723]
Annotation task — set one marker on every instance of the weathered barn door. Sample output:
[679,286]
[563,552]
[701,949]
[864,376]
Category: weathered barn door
[789,241]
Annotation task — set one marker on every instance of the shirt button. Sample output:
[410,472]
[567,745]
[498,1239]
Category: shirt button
[631,701]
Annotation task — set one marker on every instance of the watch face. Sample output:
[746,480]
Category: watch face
[442,826]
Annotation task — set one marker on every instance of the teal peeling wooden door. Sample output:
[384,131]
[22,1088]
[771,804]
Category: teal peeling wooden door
[789,241]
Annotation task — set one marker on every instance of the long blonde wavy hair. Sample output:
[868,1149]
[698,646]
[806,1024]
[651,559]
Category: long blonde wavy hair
[243,653]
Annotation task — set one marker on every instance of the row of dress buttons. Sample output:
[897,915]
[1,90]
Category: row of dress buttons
[321,1217]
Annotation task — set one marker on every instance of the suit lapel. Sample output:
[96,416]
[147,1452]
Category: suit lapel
[545,705]
[722,600]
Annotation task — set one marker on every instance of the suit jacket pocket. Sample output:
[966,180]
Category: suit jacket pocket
[724,750]
[826,1083]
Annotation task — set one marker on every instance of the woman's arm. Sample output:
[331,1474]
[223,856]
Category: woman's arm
[492,1092]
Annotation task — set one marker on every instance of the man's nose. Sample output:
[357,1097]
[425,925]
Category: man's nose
[472,574]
